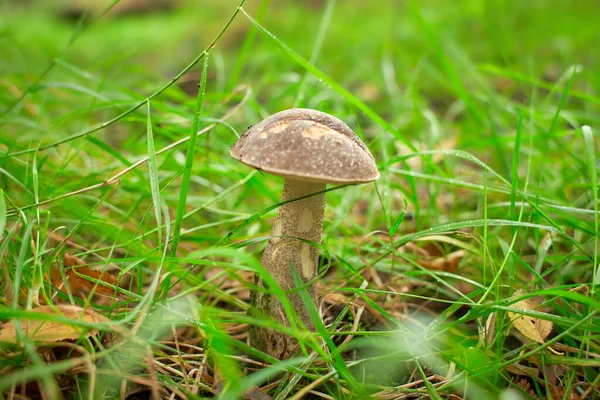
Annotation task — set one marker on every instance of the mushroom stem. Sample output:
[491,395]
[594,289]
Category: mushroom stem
[298,219]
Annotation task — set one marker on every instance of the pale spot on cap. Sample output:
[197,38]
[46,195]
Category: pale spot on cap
[307,145]
[317,131]
[273,130]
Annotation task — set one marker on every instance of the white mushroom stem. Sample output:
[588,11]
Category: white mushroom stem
[297,219]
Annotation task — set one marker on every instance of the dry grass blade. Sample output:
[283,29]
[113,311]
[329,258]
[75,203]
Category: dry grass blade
[50,331]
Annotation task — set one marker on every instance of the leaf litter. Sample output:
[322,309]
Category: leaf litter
[532,328]
[48,331]
[82,281]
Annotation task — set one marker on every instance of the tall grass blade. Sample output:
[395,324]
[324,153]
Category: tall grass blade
[189,161]
[590,152]
[153,174]
[355,101]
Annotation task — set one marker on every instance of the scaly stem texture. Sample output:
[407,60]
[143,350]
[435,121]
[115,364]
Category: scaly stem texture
[297,219]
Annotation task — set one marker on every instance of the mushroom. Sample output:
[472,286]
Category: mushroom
[309,149]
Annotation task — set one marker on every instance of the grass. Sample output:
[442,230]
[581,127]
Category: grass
[483,119]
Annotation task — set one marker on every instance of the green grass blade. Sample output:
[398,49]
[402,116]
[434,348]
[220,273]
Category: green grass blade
[590,153]
[141,103]
[189,161]
[2,213]
[298,102]
[153,174]
[246,48]
[430,389]
[355,101]
[337,361]
[515,169]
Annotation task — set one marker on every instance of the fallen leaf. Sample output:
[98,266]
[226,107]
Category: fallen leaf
[533,328]
[45,331]
[76,272]
[432,252]
[559,393]
[526,387]
[448,262]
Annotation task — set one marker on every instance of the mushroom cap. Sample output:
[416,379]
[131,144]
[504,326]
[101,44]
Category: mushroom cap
[309,145]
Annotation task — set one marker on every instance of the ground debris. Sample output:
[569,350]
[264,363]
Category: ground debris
[533,328]
[47,331]
[82,281]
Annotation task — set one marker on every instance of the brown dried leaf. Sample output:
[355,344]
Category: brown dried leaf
[72,261]
[50,331]
[431,252]
[446,263]
[334,298]
[526,386]
[559,393]
[80,286]
[533,328]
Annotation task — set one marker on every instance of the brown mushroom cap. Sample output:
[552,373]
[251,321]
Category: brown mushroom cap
[309,145]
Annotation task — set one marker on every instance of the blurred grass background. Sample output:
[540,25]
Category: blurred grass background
[508,82]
